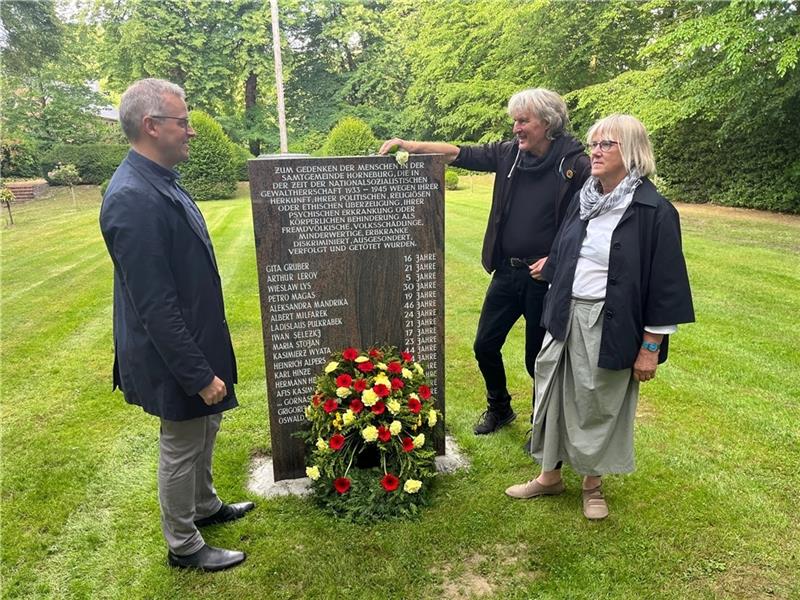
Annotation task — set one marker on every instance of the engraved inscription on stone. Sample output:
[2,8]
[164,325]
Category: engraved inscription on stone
[350,252]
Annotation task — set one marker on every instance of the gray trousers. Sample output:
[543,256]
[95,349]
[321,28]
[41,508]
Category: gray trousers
[185,487]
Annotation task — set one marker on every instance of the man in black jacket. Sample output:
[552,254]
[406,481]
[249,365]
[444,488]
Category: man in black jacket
[173,351]
[536,175]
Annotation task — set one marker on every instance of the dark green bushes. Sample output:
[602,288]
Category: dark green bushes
[20,158]
[696,164]
[95,162]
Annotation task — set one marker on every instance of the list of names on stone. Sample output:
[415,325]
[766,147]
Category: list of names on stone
[350,252]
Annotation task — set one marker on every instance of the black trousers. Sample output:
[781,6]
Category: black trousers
[512,293]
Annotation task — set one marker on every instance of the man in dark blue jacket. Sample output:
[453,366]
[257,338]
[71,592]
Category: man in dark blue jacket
[173,351]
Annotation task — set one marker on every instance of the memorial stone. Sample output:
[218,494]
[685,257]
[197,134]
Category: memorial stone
[350,252]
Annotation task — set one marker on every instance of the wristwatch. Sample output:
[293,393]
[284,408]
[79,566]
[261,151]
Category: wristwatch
[651,346]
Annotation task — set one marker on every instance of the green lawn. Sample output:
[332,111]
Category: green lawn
[712,510]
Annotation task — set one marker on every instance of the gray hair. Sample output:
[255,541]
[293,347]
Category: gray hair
[634,143]
[543,104]
[144,97]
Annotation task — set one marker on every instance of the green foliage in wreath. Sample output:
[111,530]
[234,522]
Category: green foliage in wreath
[369,446]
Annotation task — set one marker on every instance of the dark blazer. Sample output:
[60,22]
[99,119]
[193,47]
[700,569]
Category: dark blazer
[647,279]
[170,333]
[572,167]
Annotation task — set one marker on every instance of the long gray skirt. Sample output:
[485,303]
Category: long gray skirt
[583,415]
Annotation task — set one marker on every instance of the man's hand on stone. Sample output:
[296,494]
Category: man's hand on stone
[214,392]
[390,145]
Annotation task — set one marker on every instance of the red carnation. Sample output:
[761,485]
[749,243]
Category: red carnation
[397,384]
[350,354]
[424,392]
[394,367]
[414,405]
[389,482]
[365,367]
[330,405]
[316,399]
[356,405]
[344,380]
[407,356]
[384,434]
[337,441]
[342,484]
[375,353]
[378,407]
[360,385]
[408,444]
[381,390]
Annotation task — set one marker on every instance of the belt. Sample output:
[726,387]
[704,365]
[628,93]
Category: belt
[520,263]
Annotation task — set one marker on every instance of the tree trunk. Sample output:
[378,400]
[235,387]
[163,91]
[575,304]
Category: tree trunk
[250,97]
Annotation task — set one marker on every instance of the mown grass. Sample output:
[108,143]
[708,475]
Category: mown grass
[710,512]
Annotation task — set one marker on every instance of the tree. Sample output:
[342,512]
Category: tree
[31,34]
[47,98]
[219,52]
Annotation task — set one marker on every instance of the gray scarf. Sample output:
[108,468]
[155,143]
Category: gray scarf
[594,203]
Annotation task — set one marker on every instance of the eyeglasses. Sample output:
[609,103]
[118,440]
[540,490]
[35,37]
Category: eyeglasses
[182,121]
[605,145]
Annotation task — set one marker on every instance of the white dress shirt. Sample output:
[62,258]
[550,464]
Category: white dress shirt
[591,272]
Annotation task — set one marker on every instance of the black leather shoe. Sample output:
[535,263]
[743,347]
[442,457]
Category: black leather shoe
[207,558]
[228,512]
[491,421]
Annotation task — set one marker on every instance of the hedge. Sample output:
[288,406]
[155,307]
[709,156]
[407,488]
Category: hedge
[696,164]
[95,162]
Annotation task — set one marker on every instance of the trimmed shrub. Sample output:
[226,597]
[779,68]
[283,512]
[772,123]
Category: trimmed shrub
[698,164]
[95,162]
[210,173]
[64,175]
[350,137]
[20,158]
[450,179]
[240,156]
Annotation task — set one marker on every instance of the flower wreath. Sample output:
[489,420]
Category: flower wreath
[369,446]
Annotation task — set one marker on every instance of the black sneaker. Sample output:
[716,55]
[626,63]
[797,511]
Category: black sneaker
[490,422]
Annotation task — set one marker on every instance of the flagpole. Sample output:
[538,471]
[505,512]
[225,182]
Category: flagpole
[276,50]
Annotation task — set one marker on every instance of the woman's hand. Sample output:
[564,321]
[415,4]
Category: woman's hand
[644,369]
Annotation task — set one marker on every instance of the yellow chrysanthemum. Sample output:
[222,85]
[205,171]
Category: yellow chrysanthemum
[407,373]
[370,433]
[412,486]
[369,397]
[419,441]
[432,418]
[331,367]
[393,406]
[381,366]
[383,379]
[343,392]
[396,427]
[321,445]
[418,368]
[361,359]
[349,418]
[313,473]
